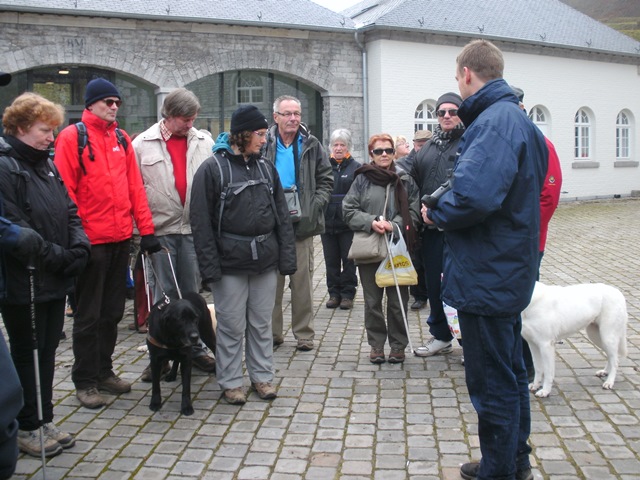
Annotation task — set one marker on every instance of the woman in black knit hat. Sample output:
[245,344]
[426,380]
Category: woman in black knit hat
[243,236]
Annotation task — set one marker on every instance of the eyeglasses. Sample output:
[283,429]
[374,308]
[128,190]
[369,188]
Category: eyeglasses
[261,134]
[289,114]
[453,112]
[111,101]
[380,151]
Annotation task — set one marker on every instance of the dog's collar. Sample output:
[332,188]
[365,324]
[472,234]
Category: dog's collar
[155,343]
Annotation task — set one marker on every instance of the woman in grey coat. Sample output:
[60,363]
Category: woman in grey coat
[362,210]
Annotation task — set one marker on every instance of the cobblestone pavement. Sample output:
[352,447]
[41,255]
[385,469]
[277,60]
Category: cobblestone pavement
[338,416]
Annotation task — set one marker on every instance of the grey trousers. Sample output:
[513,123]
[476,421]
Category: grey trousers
[301,295]
[244,304]
[377,328]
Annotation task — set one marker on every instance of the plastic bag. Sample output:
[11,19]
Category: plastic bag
[405,273]
[452,320]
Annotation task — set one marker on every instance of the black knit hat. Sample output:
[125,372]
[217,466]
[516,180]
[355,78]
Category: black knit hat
[247,118]
[5,78]
[99,88]
[449,98]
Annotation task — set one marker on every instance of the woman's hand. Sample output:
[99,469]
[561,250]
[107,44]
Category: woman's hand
[381,226]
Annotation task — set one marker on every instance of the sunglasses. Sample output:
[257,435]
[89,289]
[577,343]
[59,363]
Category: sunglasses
[111,101]
[453,112]
[380,151]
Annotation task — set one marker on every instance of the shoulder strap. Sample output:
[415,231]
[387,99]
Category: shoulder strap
[22,180]
[122,140]
[83,139]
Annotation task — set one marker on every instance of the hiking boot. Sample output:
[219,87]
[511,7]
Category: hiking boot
[205,363]
[146,373]
[29,443]
[346,304]
[376,355]
[433,347]
[304,345]
[52,431]
[114,384]
[418,304]
[265,390]
[469,471]
[90,397]
[396,355]
[333,302]
[235,396]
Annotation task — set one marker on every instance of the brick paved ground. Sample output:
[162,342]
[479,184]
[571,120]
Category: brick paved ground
[339,417]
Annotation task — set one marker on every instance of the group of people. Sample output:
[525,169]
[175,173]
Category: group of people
[245,209]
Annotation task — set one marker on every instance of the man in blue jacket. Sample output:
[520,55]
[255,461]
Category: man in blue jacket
[491,219]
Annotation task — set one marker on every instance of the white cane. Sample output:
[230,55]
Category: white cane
[395,280]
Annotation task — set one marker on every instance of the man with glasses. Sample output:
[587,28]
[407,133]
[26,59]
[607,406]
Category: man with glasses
[103,179]
[434,162]
[304,170]
[169,154]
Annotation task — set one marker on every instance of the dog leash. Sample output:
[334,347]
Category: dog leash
[155,275]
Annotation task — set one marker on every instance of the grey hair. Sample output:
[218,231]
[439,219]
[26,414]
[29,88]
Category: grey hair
[341,134]
[180,103]
[282,98]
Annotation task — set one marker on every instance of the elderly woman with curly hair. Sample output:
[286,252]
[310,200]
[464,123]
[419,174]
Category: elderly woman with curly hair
[363,210]
[35,197]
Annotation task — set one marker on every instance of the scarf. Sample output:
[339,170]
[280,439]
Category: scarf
[27,152]
[383,177]
[442,138]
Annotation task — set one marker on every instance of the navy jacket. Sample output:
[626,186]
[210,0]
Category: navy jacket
[342,180]
[491,217]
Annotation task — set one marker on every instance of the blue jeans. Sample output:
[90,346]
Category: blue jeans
[497,383]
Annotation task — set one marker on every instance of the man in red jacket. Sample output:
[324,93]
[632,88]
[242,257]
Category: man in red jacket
[105,182]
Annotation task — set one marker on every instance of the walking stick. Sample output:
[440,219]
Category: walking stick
[36,363]
[395,280]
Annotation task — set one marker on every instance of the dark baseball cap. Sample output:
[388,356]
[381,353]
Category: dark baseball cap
[5,78]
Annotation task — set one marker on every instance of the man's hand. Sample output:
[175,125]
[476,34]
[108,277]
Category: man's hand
[424,212]
[150,244]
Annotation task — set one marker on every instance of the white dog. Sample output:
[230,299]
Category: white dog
[556,312]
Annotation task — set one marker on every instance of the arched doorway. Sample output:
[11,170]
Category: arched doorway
[66,86]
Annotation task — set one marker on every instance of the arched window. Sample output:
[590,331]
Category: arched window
[425,117]
[540,118]
[623,137]
[249,88]
[582,135]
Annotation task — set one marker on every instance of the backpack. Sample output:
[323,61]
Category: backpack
[83,141]
[230,188]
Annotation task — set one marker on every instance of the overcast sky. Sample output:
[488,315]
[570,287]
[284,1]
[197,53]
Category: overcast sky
[336,5]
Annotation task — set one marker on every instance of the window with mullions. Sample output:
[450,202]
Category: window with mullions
[541,119]
[250,88]
[425,117]
[623,137]
[582,135]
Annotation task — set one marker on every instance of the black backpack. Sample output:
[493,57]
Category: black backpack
[83,141]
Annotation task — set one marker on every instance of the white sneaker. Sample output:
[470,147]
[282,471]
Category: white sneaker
[433,347]
[29,443]
[52,431]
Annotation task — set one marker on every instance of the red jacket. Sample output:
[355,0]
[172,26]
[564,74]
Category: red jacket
[111,190]
[550,195]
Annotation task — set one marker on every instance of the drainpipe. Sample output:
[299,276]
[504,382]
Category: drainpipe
[365,94]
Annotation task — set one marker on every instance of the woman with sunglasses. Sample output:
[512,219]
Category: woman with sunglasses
[36,198]
[362,210]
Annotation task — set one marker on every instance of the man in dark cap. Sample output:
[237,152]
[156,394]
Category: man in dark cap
[103,179]
[243,237]
[433,164]
[305,171]
[5,79]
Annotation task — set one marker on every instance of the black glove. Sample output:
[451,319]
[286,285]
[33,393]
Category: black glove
[75,259]
[150,244]
[29,243]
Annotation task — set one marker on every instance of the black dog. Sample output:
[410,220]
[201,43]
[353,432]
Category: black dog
[174,327]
